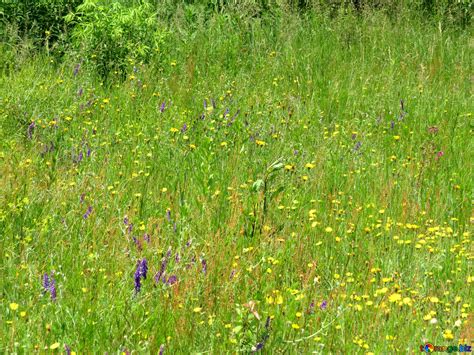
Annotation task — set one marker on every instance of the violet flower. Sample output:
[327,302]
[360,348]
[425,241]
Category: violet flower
[76,69]
[172,280]
[204,266]
[88,212]
[49,285]
[140,273]
[31,127]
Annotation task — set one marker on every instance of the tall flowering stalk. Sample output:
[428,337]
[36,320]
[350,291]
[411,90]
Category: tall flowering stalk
[49,285]
[140,273]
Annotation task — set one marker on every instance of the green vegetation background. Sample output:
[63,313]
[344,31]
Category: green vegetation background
[308,164]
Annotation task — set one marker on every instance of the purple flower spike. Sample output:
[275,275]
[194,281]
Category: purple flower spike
[137,243]
[80,156]
[357,146]
[140,273]
[162,107]
[172,280]
[162,349]
[323,305]
[204,266]
[76,69]
[45,282]
[67,349]
[52,288]
[184,128]
[232,274]
[146,238]
[88,212]
[49,285]
[125,220]
[31,127]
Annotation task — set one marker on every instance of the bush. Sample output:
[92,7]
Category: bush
[41,20]
[109,36]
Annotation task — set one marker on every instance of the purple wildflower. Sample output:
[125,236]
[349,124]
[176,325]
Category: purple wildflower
[233,118]
[162,107]
[137,243]
[184,128]
[130,228]
[31,127]
[323,305]
[76,69]
[232,274]
[88,152]
[311,307]
[204,266]
[88,212]
[172,280]
[67,349]
[162,349]
[177,258]
[80,91]
[357,146]
[188,244]
[45,282]
[146,238]
[52,288]
[80,156]
[49,285]
[161,272]
[140,273]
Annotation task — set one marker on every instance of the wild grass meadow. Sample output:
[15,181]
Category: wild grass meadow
[235,177]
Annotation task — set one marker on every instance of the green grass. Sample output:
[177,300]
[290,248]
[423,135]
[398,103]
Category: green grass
[283,204]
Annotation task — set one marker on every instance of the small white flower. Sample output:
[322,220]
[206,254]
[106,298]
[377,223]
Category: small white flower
[433,321]
[458,323]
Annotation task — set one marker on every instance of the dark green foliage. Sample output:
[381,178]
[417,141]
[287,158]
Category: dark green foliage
[110,36]
[42,20]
